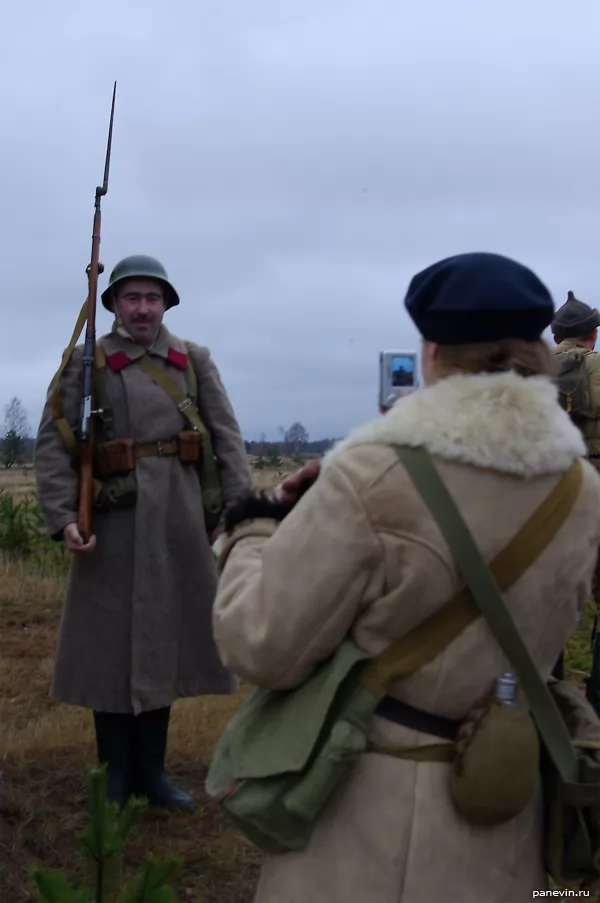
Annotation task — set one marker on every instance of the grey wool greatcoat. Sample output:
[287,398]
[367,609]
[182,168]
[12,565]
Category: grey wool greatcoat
[136,631]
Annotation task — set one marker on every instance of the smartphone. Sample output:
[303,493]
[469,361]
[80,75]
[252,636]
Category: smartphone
[398,375]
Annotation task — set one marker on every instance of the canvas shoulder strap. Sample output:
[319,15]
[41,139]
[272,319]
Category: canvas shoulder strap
[180,398]
[486,590]
[191,381]
[212,490]
[435,633]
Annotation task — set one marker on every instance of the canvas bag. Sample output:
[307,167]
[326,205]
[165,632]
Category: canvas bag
[285,753]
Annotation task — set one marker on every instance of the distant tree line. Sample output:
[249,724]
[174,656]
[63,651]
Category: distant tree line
[295,443]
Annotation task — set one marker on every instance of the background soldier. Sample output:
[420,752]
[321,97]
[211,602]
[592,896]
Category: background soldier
[575,330]
[136,629]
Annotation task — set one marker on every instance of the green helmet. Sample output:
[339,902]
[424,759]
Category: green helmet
[140,266]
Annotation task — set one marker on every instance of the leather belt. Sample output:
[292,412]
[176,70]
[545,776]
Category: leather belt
[157,449]
[416,719]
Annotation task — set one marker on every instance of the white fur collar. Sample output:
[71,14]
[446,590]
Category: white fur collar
[500,421]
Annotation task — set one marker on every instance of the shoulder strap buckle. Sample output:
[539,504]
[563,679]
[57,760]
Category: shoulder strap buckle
[184,405]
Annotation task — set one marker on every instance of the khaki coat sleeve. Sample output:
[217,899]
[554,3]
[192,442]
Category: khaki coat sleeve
[289,594]
[217,413]
[57,481]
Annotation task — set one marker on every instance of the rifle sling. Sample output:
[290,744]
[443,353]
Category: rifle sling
[56,407]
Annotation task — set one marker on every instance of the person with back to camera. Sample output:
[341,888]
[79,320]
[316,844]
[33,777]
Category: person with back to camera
[359,554]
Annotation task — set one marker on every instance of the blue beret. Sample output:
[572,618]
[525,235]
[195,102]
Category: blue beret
[478,297]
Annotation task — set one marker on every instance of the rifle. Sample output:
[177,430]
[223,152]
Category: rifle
[86,431]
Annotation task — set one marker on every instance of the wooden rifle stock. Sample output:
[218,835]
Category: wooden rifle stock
[86,492]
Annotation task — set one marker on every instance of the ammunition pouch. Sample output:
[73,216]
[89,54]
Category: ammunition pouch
[115,463]
[118,457]
[114,457]
[190,446]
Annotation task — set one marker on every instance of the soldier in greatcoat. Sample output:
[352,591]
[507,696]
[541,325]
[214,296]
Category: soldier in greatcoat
[136,629]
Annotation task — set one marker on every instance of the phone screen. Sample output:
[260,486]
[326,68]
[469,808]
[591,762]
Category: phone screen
[403,370]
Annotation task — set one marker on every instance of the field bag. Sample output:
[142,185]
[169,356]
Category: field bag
[284,754]
[568,725]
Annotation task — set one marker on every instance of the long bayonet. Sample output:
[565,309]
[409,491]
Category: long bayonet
[86,426]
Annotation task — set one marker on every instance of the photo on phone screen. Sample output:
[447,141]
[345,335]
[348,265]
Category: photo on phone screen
[403,371]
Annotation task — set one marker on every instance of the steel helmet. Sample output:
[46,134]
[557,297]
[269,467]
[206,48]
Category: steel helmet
[140,266]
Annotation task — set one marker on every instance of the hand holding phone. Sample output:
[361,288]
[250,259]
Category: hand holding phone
[397,376]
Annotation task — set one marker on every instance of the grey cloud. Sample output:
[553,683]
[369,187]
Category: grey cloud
[293,165]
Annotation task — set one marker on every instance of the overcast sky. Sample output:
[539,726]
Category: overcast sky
[292,164]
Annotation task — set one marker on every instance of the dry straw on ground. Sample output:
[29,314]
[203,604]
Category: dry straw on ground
[45,748]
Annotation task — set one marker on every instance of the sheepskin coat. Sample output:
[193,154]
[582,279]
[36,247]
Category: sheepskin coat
[361,555]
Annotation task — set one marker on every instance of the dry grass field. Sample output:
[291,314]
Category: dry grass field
[45,748]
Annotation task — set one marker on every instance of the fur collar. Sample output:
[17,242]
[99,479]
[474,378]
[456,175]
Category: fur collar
[499,421]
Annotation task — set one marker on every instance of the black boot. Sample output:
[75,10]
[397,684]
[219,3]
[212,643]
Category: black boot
[151,729]
[114,742]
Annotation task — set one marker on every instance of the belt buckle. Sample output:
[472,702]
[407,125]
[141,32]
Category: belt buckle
[160,452]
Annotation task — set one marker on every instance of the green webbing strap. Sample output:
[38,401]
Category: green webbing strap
[485,590]
[211,484]
[431,636]
[55,401]
[191,382]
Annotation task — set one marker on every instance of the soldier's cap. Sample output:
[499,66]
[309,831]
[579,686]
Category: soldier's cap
[478,297]
[575,319]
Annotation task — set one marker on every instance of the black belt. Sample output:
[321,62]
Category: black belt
[416,719]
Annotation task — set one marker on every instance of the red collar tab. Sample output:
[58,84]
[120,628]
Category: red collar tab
[178,359]
[118,361]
